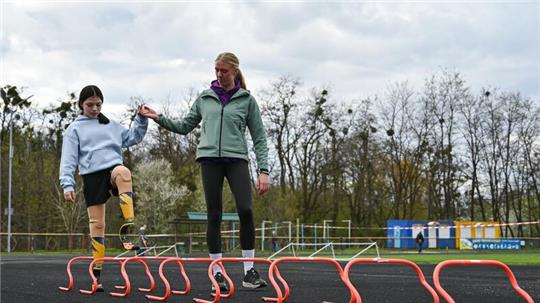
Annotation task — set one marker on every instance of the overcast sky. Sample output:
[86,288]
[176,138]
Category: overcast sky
[161,49]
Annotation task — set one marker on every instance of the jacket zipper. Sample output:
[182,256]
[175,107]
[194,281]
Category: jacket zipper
[221,125]
[221,129]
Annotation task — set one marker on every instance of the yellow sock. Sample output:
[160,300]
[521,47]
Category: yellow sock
[98,251]
[126,206]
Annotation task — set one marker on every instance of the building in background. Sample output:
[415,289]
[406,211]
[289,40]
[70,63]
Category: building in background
[437,234]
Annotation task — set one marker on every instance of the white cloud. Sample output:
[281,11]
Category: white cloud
[160,49]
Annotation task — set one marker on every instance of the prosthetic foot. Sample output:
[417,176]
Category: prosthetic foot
[121,179]
[124,232]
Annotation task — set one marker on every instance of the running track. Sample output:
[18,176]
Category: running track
[36,279]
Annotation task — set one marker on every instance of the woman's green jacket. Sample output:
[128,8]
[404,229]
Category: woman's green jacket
[224,126]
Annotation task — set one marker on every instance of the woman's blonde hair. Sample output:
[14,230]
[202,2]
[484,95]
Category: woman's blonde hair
[231,59]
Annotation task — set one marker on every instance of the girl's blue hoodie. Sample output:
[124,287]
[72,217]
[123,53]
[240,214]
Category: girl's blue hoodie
[92,146]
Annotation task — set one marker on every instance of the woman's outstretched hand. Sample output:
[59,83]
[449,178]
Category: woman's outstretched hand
[147,112]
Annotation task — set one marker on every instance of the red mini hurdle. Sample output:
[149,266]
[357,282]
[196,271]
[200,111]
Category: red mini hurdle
[168,291]
[507,270]
[218,296]
[70,275]
[419,272]
[282,297]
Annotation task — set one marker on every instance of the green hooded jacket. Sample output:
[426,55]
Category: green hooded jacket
[224,127]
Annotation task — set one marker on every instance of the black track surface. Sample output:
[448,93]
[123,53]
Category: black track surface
[36,279]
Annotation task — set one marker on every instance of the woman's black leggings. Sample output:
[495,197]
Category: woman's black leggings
[237,174]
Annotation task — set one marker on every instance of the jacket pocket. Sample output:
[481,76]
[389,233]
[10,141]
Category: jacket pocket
[233,138]
[209,135]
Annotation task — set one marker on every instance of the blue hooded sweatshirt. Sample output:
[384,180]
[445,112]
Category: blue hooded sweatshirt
[92,146]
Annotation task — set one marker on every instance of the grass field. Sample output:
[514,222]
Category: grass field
[522,258]
[434,256]
[429,256]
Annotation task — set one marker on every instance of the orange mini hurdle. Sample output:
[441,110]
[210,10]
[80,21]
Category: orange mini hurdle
[168,290]
[94,279]
[281,297]
[507,270]
[70,275]
[218,296]
[142,260]
[419,272]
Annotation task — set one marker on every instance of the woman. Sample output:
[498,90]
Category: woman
[226,109]
[93,144]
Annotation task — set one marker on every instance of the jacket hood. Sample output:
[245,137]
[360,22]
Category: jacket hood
[84,118]
[210,93]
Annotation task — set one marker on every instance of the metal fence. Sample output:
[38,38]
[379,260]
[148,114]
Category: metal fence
[190,243]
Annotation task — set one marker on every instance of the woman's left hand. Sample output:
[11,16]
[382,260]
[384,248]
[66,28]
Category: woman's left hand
[147,112]
[262,183]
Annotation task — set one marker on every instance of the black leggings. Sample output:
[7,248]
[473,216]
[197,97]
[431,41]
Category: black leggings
[237,174]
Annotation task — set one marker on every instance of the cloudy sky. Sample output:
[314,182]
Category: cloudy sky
[161,49]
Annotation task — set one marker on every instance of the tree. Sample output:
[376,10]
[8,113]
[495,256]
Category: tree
[309,157]
[363,187]
[158,194]
[13,104]
[71,213]
[470,111]
[529,133]
[279,105]
[442,95]
[405,145]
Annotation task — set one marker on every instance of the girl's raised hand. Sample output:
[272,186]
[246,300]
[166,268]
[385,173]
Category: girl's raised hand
[147,112]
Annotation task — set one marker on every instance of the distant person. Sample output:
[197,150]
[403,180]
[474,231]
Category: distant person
[225,111]
[419,241]
[275,245]
[93,145]
[143,242]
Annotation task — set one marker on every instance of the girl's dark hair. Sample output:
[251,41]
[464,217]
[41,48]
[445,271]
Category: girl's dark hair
[92,91]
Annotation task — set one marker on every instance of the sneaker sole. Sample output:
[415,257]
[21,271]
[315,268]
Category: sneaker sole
[221,292]
[253,286]
[221,289]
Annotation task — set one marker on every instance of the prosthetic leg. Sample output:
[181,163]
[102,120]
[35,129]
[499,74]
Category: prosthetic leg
[121,179]
[96,215]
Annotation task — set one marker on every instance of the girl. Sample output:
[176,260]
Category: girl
[93,144]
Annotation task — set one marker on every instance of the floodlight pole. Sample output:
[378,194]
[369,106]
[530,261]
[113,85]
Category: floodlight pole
[9,186]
